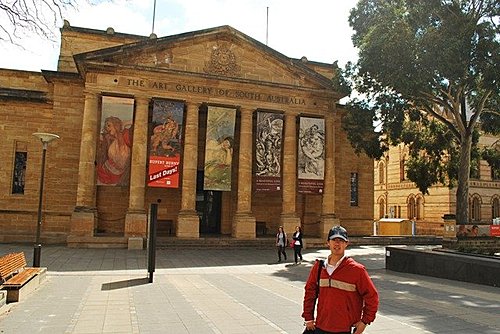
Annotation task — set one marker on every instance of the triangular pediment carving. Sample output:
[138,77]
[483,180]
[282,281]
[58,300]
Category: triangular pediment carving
[222,61]
[220,52]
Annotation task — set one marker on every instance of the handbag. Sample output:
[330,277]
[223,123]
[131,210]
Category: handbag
[292,244]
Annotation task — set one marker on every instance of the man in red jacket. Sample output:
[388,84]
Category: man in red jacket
[347,297]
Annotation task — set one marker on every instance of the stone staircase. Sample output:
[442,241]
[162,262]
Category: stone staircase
[221,242]
[214,243]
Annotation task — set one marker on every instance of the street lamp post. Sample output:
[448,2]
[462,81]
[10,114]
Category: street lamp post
[45,138]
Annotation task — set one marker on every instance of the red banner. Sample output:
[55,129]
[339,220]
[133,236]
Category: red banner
[495,230]
[165,143]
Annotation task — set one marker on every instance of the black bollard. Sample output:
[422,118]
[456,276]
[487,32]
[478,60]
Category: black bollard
[153,218]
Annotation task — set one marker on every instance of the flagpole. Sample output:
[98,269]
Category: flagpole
[154,14]
[267,24]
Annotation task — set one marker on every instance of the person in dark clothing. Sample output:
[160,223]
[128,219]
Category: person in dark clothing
[297,245]
[281,243]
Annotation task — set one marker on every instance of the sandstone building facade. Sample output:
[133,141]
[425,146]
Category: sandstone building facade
[139,119]
[397,197]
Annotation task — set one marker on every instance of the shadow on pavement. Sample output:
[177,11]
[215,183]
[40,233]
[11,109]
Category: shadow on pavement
[124,284]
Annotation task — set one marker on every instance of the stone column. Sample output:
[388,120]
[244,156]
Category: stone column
[328,218]
[244,220]
[136,218]
[289,218]
[84,218]
[188,222]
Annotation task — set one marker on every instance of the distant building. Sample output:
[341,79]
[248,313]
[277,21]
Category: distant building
[398,197]
[230,137]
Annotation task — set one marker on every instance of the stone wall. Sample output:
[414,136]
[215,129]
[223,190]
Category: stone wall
[39,103]
[54,102]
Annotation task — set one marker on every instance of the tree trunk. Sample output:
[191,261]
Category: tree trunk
[462,211]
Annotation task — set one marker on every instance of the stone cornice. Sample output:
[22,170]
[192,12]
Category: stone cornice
[53,76]
[23,95]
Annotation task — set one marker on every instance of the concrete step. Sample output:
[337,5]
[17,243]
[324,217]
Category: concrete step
[269,242]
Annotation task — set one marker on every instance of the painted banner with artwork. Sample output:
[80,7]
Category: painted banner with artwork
[114,148]
[268,151]
[311,155]
[167,118]
[219,148]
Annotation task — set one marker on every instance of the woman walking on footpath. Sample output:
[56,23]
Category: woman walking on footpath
[281,242]
[297,245]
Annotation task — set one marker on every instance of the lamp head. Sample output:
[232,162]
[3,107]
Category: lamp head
[46,137]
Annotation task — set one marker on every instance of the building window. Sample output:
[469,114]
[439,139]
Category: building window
[419,206]
[381,170]
[474,171]
[18,177]
[381,208]
[411,208]
[402,167]
[495,208]
[475,209]
[495,174]
[354,189]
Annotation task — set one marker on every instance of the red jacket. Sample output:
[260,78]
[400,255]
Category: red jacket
[345,297]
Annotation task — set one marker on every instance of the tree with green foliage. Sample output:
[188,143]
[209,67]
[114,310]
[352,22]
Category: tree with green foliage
[427,76]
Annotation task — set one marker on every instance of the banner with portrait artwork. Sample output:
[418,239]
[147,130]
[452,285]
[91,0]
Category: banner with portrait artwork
[114,147]
[311,155]
[165,143]
[268,151]
[219,148]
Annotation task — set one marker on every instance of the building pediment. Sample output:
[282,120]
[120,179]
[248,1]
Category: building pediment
[221,52]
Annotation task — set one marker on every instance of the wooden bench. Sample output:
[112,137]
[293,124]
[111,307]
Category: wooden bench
[17,279]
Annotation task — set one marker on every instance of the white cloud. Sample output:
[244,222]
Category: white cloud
[317,29]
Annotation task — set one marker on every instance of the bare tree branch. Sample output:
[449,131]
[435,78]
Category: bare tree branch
[20,18]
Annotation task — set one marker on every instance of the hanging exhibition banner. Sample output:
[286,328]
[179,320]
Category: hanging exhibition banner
[268,151]
[114,148]
[219,148]
[311,155]
[165,143]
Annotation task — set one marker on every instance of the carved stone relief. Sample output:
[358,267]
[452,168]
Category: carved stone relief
[222,62]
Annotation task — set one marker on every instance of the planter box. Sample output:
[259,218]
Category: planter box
[449,265]
[394,227]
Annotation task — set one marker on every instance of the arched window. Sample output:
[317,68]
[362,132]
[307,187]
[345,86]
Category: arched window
[402,167]
[381,207]
[475,169]
[495,174]
[475,209]
[495,208]
[419,208]
[381,173]
[411,208]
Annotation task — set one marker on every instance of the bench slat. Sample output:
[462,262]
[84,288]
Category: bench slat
[21,278]
[11,264]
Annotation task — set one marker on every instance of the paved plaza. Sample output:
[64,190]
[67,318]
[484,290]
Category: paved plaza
[226,291]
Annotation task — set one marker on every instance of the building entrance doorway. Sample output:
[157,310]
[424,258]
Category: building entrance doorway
[208,207]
